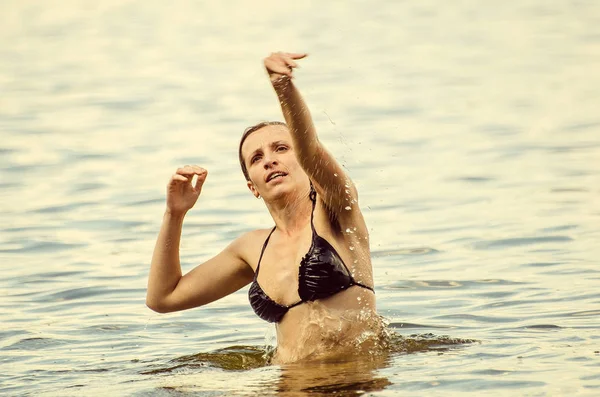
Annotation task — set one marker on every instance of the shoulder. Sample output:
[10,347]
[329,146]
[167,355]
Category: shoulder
[252,236]
[249,244]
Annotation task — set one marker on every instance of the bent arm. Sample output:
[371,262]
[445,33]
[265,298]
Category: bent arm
[165,270]
[169,291]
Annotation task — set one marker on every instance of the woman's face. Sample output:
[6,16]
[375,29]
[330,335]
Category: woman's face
[271,162]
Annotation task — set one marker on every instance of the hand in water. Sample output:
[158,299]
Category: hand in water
[281,64]
[181,193]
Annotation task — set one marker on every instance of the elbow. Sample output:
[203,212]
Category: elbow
[157,305]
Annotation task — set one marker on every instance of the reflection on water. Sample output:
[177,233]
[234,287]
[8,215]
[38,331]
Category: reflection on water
[350,377]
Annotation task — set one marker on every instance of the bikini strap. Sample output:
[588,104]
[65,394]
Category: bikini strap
[295,304]
[263,251]
[364,286]
[313,193]
[313,197]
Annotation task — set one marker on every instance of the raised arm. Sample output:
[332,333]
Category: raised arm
[331,182]
[222,275]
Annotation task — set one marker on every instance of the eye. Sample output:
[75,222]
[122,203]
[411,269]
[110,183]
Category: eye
[282,148]
[254,159]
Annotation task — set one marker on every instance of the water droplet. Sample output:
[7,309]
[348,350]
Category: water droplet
[351,248]
[347,208]
[334,174]
[348,230]
[358,299]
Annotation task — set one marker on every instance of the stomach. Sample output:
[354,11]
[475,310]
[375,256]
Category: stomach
[345,323]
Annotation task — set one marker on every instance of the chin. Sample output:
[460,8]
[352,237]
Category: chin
[281,190]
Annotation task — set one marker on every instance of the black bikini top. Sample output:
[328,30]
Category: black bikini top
[322,273]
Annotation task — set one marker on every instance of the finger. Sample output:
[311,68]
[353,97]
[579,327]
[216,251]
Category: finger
[178,178]
[275,63]
[280,68]
[295,55]
[191,169]
[197,184]
[290,62]
[199,179]
[202,176]
[187,167]
[186,171]
[199,170]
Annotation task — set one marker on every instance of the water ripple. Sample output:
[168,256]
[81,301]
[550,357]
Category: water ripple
[444,284]
[75,294]
[521,241]
[404,251]
[35,344]
[33,246]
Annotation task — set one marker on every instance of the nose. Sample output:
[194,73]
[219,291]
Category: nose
[269,161]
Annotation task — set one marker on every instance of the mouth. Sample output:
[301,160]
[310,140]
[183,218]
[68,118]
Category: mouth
[275,175]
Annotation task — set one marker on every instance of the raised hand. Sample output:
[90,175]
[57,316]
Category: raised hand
[281,64]
[181,193]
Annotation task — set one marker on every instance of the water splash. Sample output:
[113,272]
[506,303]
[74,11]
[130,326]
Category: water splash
[233,358]
[386,344]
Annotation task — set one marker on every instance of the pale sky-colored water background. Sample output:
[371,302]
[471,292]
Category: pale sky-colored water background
[472,130]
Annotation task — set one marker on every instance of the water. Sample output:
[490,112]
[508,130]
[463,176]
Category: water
[472,131]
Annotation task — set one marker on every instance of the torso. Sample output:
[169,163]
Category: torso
[344,322]
[321,327]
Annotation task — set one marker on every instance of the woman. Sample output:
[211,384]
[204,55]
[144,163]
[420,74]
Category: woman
[319,243]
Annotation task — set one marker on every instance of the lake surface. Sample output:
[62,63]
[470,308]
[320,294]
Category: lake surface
[471,129]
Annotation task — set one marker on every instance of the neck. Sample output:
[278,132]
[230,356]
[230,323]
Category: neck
[291,213]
